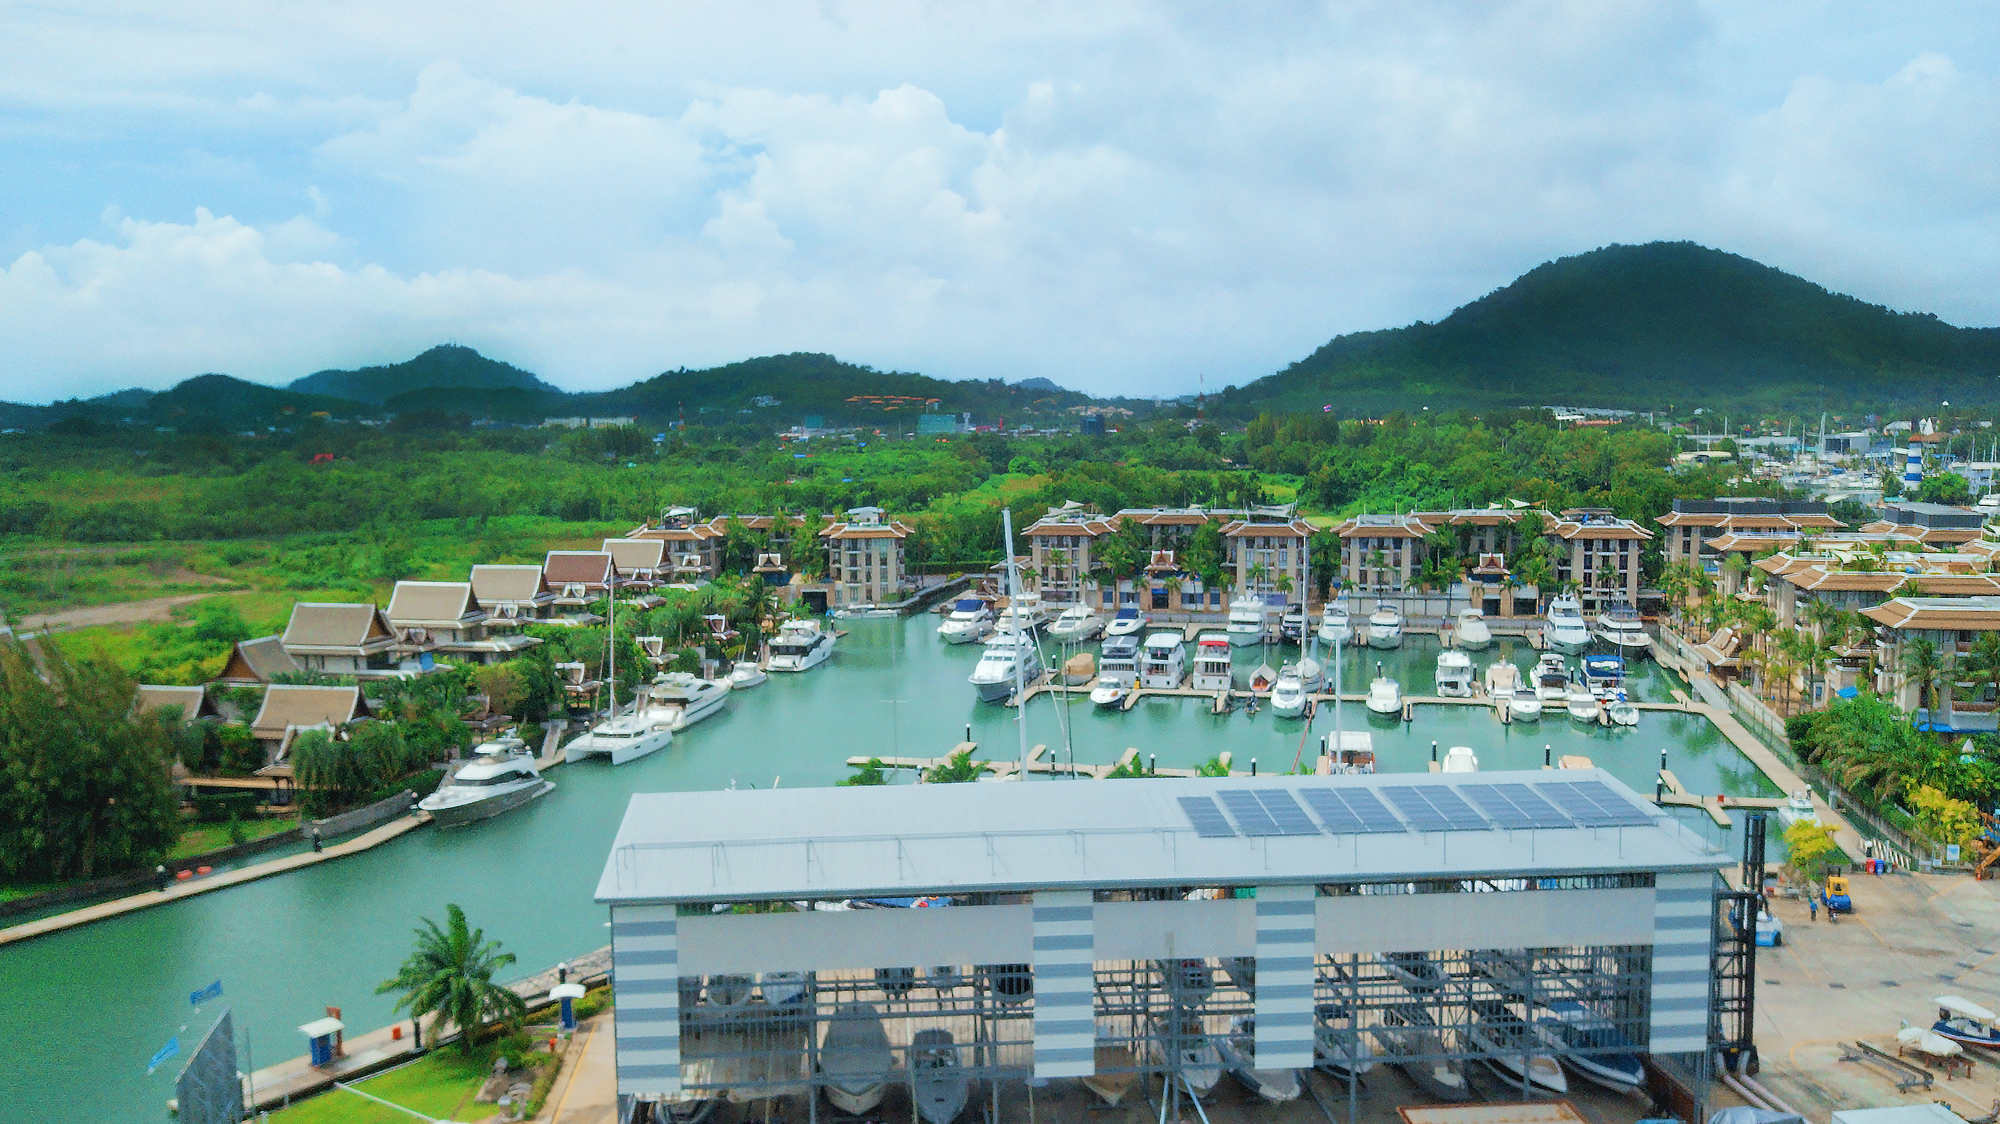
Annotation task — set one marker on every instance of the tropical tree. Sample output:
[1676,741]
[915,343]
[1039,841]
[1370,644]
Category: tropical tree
[958,768]
[1984,660]
[1255,575]
[450,974]
[867,774]
[1922,663]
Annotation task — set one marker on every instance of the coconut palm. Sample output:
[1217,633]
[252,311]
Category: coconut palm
[450,974]
[1922,663]
[1985,660]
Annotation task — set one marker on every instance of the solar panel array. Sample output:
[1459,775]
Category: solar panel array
[1265,812]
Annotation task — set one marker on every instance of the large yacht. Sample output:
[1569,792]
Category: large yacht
[1248,623]
[1163,662]
[1620,627]
[995,674]
[1119,662]
[686,699]
[1126,622]
[1076,625]
[1334,626]
[1552,680]
[1454,674]
[1385,627]
[1385,695]
[624,737]
[1566,630]
[1288,695]
[1212,671]
[496,780]
[968,622]
[1472,635]
[1024,611]
[800,645]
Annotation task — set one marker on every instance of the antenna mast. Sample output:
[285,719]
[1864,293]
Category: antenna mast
[1020,633]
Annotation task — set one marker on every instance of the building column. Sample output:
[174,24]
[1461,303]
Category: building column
[1065,1022]
[1284,1000]
[1683,915]
[645,988]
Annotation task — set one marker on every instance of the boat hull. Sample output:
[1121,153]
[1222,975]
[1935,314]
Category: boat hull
[1568,642]
[1525,710]
[1108,698]
[1474,642]
[966,635]
[998,690]
[1341,635]
[1385,637]
[619,751]
[1286,704]
[458,815]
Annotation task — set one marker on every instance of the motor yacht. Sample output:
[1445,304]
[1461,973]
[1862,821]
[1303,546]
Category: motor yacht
[1385,695]
[1292,624]
[1334,625]
[1163,662]
[1622,713]
[1605,676]
[1472,635]
[1621,628]
[994,676]
[1582,705]
[498,780]
[938,1081]
[1385,627]
[1311,673]
[1127,622]
[1503,680]
[624,737]
[1454,674]
[1798,806]
[968,622]
[746,674]
[686,698]
[1212,670]
[1288,695]
[1592,1046]
[1108,696]
[1248,622]
[1566,631]
[1459,759]
[1076,625]
[1552,680]
[855,1059]
[1347,751]
[1024,612]
[800,646]
[1118,663]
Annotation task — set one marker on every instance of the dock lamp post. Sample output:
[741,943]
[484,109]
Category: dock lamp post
[567,994]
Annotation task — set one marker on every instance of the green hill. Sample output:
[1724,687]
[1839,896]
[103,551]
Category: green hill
[1645,327]
[447,366]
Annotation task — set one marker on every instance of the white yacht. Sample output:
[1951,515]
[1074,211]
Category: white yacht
[1118,663]
[1076,625]
[1566,630]
[1385,627]
[1582,704]
[745,675]
[499,778]
[1524,708]
[1798,806]
[1385,695]
[994,676]
[624,737]
[1248,623]
[1552,680]
[800,646]
[1472,635]
[686,699]
[1023,611]
[1621,628]
[1334,626]
[1311,672]
[969,621]
[1108,696]
[1459,759]
[1163,662]
[1212,670]
[1126,622]
[1504,687]
[1292,624]
[1288,695]
[1622,713]
[1454,674]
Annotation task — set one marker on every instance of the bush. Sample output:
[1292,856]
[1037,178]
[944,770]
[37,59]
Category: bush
[868,774]
[1942,818]
[224,807]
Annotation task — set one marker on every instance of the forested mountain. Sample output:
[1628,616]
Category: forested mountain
[1669,323]
[447,366]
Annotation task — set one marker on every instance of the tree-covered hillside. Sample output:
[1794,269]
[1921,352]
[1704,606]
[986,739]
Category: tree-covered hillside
[447,366]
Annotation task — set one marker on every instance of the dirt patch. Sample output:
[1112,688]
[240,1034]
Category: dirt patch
[127,612]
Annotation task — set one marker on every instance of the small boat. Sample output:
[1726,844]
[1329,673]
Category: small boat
[855,1058]
[1385,695]
[684,699]
[1116,1072]
[1263,677]
[937,1076]
[1552,680]
[1334,626]
[489,784]
[625,737]
[1238,1052]
[1592,1046]
[1524,708]
[1079,669]
[1928,1042]
[1574,761]
[1503,680]
[1127,622]
[1472,635]
[746,674]
[1621,628]
[1292,624]
[1007,653]
[1311,673]
[1120,663]
[1622,713]
[1459,759]
[1107,696]
[1582,704]
[1189,1051]
[1506,1041]
[1605,676]
[1350,751]
[1385,627]
[1288,695]
[730,992]
[1798,806]
[970,620]
[1248,623]
[1409,1033]
[1163,662]
[1076,625]
[1416,971]
[1212,669]
[1454,674]
[782,989]
[1024,613]
[1566,630]
[800,646]
[1337,1048]
[1965,1022]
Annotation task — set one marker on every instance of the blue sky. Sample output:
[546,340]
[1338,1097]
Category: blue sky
[1120,197]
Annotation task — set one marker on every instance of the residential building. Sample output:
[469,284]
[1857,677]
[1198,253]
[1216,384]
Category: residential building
[1950,624]
[864,554]
[193,702]
[1693,522]
[351,639]
[445,619]
[1059,553]
[1270,557]
[1381,553]
[290,709]
[1604,556]
[1979,475]
[511,593]
[693,548]
[640,563]
[1932,524]
[257,661]
[578,577]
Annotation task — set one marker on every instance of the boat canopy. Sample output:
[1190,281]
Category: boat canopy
[1965,1008]
[1127,613]
[968,605]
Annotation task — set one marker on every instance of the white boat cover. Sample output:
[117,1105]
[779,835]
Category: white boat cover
[1965,1008]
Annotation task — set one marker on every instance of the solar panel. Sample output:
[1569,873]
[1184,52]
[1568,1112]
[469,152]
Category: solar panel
[1416,809]
[1351,811]
[1249,812]
[1435,808]
[1534,807]
[1594,804]
[1286,813]
[1514,806]
[1206,817]
[1332,812]
[1454,809]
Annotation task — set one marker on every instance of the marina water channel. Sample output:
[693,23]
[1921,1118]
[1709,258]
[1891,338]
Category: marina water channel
[84,1009]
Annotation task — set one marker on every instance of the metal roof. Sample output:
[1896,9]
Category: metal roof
[1042,834]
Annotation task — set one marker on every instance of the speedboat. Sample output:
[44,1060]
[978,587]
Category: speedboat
[1212,670]
[1337,1047]
[1459,759]
[1007,653]
[1311,673]
[1621,628]
[1409,1033]
[624,737]
[1454,674]
[970,620]
[1505,1041]
[1622,713]
[1524,708]
[1107,696]
[1552,680]
[1127,622]
[1076,625]
[1798,806]
[1334,627]
[1566,631]
[746,674]
[1024,612]
[937,1076]
[1582,704]
[1965,1022]
[1592,1046]
[1385,695]
[1503,680]
[1288,695]
[1385,627]
[800,645]
[1190,1052]
[1163,662]
[489,784]
[1472,633]
[1118,664]
[688,698]
[1605,676]
[1247,622]
[855,1058]
[1292,624]
[1238,1052]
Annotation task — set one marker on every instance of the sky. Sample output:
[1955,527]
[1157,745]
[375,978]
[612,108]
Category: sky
[1126,198]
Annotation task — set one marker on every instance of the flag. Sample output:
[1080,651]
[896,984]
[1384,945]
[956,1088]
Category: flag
[203,995]
[172,1047]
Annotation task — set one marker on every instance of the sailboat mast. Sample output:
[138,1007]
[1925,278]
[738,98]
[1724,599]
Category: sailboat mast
[1020,633]
[611,636]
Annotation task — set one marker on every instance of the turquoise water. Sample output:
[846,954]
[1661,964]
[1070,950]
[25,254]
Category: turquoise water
[85,1009]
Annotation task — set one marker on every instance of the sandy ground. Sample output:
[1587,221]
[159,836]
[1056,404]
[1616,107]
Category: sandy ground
[124,612]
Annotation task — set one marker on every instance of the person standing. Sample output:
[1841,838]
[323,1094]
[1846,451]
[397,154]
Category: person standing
[1812,906]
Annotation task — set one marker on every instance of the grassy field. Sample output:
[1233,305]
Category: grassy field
[439,1085]
[203,838]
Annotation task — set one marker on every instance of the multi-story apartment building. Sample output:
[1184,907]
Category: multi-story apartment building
[1693,522]
[693,551]
[864,554]
[1932,524]
[1063,554]
[1059,557]
[1270,556]
[1381,553]
[1604,555]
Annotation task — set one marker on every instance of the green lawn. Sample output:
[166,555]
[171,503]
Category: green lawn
[199,839]
[441,1085]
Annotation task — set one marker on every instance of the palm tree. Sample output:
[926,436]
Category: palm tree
[1922,663]
[1823,616]
[450,974]
[1985,659]
[1255,575]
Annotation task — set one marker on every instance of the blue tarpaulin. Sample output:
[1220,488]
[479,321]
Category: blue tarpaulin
[212,991]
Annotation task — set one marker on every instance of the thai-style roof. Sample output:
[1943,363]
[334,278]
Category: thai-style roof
[630,555]
[563,567]
[258,661]
[317,626]
[496,584]
[291,706]
[415,604]
[1948,614]
[193,701]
